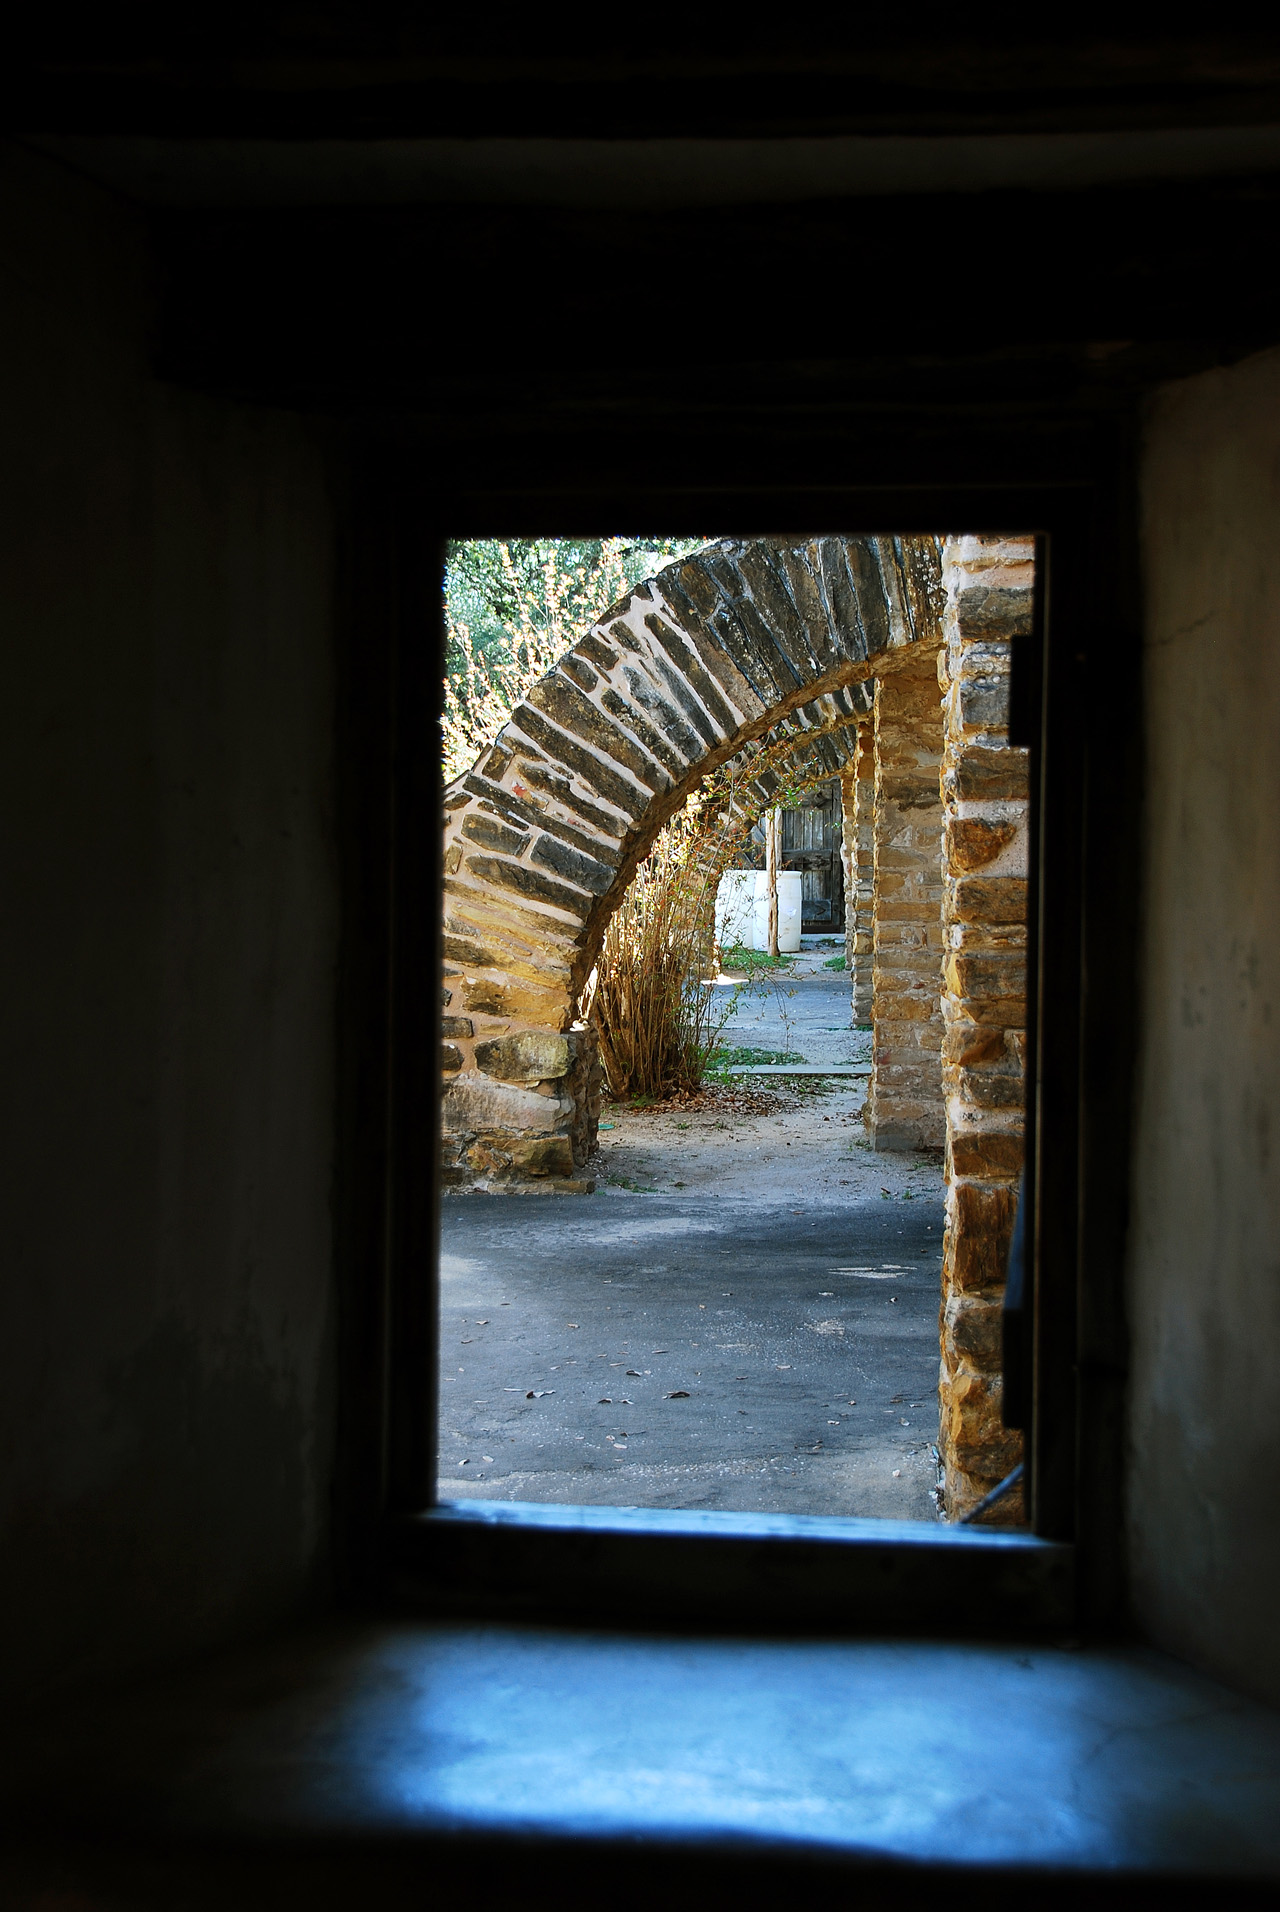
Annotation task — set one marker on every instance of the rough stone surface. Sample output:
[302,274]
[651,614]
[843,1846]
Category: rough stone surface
[984,787]
[474,1105]
[859,875]
[535,1056]
[904,1106]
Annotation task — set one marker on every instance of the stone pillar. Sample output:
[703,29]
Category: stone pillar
[849,864]
[858,794]
[904,1107]
[984,785]
[520,1110]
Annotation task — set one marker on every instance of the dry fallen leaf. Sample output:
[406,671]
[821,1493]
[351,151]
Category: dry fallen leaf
[677,1394]
[536,1394]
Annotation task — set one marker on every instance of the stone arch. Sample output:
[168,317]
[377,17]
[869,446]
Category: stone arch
[812,745]
[544,834]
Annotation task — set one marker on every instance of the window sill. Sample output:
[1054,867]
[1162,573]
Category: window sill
[645,1566]
[351,1763]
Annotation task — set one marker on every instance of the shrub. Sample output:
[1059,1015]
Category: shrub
[651,997]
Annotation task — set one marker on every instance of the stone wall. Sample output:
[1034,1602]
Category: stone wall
[1203,1433]
[904,1108]
[985,795]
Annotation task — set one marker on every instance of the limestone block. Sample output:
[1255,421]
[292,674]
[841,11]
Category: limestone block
[988,899]
[988,936]
[994,1153]
[537,1055]
[598,775]
[984,703]
[506,1157]
[978,1231]
[514,933]
[969,1044]
[973,842]
[983,613]
[450,1057]
[457,1026]
[902,1133]
[972,1429]
[524,881]
[898,1007]
[599,846]
[972,1324]
[492,835]
[991,1088]
[594,647]
[984,977]
[985,773]
[587,871]
[509,996]
[565,704]
[474,1103]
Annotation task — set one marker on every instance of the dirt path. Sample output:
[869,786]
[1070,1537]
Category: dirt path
[766,1143]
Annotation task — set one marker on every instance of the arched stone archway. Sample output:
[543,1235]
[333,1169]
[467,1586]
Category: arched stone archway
[887,655]
[544,835]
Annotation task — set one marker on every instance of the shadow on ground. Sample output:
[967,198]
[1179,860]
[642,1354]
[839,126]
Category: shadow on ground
[642,1351]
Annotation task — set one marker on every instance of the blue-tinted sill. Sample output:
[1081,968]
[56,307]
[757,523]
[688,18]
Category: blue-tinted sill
[644,1565]
[843,1530]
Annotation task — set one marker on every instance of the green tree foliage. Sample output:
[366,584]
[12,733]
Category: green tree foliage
[514,606]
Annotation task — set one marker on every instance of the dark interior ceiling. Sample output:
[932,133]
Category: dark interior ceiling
[880,244]
[390,71]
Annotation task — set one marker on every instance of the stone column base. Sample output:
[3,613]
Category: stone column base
[509,1128]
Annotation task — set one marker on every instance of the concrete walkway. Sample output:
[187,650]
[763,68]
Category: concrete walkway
[744,1317]
[639,1351]
[802,1009]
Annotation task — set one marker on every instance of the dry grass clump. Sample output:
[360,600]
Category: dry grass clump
[658,1017]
